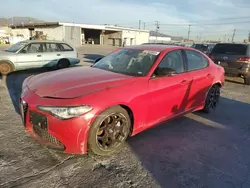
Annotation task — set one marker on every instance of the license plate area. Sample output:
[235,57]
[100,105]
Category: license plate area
[38,120]
[23,108]
[223,64]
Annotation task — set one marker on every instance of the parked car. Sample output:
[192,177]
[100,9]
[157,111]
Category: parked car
[37,53]
[234,58]
[122,94]
[205,48]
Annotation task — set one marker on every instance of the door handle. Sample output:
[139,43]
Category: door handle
[184,81]
[58,54]
[39,55]
[208,75]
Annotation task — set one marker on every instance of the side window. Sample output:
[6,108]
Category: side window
[173,60]
[33,48]
[65,47]
[196,60]
[51,47]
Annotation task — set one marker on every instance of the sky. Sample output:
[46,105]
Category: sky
[214,19]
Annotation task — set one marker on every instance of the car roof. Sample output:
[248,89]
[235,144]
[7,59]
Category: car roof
[43,41]
[233,43]
[157,47]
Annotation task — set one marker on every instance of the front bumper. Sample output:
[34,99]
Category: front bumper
[69,135]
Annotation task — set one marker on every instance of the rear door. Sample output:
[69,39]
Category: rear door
[68,52]
[227,55]
[199,70]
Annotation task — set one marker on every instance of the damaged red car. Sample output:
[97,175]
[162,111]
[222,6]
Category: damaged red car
[96,108]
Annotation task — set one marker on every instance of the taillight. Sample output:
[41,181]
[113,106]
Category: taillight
[212,57]
[243,59]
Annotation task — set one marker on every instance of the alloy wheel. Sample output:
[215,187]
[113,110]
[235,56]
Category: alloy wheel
[213,98]
[112,131]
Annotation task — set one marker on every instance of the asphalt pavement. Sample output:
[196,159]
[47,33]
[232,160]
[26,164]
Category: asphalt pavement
[198,150]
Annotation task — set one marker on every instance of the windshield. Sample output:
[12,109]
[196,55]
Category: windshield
[15,47]
[201,47]
[132,62]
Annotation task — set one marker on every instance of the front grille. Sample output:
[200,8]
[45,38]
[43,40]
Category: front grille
[40,127]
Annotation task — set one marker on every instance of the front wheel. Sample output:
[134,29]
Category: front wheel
[109,131]
[212,99]
[5,68]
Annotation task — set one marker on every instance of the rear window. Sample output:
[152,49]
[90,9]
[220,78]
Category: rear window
[234,49]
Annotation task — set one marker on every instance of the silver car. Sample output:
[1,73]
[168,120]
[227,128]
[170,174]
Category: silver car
[37,53]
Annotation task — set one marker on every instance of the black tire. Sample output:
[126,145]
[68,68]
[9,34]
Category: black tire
[6,67]
[102,130]
[247,81]
[62,64]
[212,99]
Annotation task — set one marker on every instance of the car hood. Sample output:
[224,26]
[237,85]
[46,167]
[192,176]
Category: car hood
[75,82]
[4,54]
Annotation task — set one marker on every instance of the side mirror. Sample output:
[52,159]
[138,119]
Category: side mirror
[165,71]
[97,59]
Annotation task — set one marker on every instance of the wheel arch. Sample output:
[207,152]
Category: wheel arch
[131,115]
[83,144]
[218,83]
[63,59]
[127,108]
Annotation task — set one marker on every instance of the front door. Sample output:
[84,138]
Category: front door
[30,56]
[197,66]
[168,95]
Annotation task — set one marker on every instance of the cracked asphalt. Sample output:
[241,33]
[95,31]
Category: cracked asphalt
[198,150]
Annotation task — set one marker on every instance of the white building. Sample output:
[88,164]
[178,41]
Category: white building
[159,39]
[80,34]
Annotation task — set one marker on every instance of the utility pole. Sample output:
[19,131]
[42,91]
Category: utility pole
[144,25]
[189,27]
[249,36]
[233,35]
[157,29]
[225,37]
[139,24]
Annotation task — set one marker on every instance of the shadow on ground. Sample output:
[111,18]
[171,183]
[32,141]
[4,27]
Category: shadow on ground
[199,150]
[235,82]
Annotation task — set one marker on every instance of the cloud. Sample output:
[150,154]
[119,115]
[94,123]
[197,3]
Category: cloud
[129,12]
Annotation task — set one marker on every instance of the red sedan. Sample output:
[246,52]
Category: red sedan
[131,89]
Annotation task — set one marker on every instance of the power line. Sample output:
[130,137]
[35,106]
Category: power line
[204,24]
[195,21]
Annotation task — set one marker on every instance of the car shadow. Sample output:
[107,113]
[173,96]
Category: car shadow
[90,58]
[198,150]
[14,81]
[234,82]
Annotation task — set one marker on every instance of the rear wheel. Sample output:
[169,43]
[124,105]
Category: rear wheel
[212,99]
[62,64]
[247,80]
[5,67]
[109,131]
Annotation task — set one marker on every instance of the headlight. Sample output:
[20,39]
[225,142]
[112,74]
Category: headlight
[66,112]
